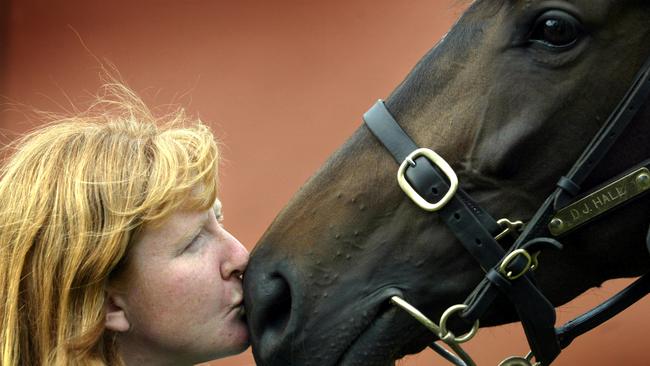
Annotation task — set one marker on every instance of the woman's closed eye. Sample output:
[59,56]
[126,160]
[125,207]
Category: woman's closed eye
[195,243]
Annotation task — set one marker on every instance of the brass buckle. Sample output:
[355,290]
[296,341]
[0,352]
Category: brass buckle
[503,267]
[438,161]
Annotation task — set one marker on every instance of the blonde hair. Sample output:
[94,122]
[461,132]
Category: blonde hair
[73,194]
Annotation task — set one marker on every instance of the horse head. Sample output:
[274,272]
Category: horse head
[510,98]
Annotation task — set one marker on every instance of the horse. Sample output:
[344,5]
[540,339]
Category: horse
[509,116]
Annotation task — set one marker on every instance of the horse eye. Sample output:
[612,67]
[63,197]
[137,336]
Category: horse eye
[556,29]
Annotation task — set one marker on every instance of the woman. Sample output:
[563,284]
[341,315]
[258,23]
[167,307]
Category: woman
[112,250]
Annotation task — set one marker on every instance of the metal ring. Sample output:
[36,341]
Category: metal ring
[515,361]
[520,361]
[503,267]
[444,332]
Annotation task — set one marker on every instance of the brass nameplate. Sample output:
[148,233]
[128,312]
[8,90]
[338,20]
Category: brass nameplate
[600,201]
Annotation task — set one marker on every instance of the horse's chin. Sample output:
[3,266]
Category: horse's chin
[383,341]
[367,348]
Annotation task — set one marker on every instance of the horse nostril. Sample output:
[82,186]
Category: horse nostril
[269,310]
[278,308]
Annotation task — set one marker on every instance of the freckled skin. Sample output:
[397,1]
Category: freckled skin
[181,295]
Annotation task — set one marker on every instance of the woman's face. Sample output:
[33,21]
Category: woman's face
[183,295]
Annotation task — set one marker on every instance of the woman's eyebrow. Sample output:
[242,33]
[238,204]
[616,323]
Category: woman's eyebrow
[194,230]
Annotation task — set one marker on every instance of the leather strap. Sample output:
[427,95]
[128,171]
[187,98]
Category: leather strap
[535,311]
[617,121]
[593,154]
[461,215]
[391,135]
[568,186]
[462,221]
[382,124]
[605,311]
[475,228]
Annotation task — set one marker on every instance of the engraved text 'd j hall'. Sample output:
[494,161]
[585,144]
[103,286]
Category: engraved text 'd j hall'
[600,201]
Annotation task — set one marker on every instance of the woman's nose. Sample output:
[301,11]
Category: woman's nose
[236,257]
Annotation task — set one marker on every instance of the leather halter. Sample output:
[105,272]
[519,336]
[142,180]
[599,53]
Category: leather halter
[429,179]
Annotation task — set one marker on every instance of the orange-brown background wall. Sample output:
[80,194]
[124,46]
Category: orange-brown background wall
[282,83]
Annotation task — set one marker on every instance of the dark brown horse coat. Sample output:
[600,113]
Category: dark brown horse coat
[510,98]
